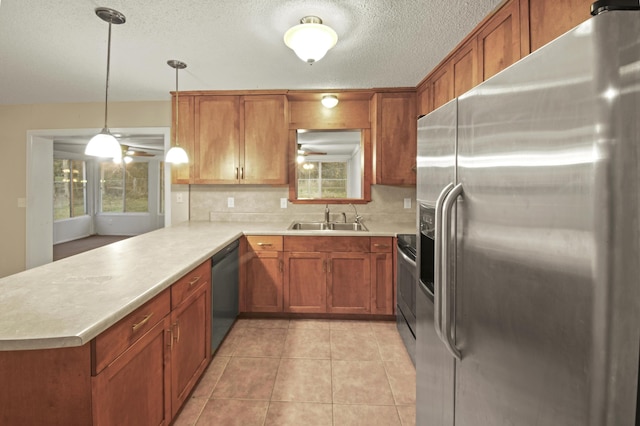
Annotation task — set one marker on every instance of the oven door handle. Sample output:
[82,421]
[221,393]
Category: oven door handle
[407,258]
[448,302]
[437,259]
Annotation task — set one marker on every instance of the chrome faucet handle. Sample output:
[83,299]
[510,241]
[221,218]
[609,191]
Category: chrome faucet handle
[327,214]
[344,217]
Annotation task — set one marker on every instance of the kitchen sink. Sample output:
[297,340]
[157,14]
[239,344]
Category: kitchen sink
[326,226]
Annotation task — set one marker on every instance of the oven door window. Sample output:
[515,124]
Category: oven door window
[426,261]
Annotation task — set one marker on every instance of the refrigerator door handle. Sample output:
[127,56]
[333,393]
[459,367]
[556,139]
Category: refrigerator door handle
[437,258]
[447,308]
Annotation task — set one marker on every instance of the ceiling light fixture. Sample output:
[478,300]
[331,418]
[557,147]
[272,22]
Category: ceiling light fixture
[329,101]
[176,155]
[310,39]
[104,144]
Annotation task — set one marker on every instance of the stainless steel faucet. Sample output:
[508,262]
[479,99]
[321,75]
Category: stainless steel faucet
[327,216]
[357,218]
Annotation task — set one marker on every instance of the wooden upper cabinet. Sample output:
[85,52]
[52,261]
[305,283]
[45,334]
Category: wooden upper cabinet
[442,85]
[394,138]
[499,40]
[464,65]
[265,147]
[424,99]
[181,173]
[217,144]
[549,19]
[240,139]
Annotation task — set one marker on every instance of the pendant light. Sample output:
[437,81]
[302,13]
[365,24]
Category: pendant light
[311,40]
[104,144]
[176,155]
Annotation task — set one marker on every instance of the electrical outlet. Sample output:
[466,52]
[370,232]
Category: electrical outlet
[179,198]
[283,203]
[407,203]
[230,202]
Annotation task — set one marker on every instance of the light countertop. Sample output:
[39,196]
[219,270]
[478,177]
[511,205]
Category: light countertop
[70,301]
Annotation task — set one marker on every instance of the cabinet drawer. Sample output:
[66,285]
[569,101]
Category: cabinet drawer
[264,243]
[381,244]
[188,284]
[115,340]
[327,244]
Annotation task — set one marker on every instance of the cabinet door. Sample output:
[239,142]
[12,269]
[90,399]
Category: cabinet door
[305,288]
[265,145]
[395,138]
[499,40]
[424,100]
[135,388]
[191,343]
[182,173]
[382,289]
[217,139]
[349,283]
[442,85]
[465,68]
[264,281]
[549,19]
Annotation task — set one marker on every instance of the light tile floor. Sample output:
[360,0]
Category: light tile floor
[306,372]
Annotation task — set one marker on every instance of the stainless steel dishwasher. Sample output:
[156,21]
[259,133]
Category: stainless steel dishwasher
[224,293]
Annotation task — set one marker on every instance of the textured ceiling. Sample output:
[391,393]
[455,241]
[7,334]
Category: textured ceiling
[55,51]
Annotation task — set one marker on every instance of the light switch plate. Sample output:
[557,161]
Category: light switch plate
[407,203]
[179,198]
[22,202]
[283,203]
[230,202]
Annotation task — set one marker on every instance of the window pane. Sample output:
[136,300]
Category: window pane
[137,187]
[78,188]
[308,180]
[61,195]
[334,180]
[112,187]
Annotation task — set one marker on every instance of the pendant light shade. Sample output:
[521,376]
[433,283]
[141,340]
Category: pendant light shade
[176,155]
[104,144]
[311,40]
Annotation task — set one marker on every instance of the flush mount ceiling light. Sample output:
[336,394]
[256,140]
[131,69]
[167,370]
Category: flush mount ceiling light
[176,155]
[104,144]
[310,39]
[329,101]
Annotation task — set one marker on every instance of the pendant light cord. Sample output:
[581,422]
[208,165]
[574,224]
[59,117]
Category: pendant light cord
[177,107]
[106,94]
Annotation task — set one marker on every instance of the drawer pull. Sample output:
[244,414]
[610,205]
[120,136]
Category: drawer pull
[265,244]
[145,320]
[195,280]
[381,245]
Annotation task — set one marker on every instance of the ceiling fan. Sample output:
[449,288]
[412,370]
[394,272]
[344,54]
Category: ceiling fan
[134,152]
[304,153]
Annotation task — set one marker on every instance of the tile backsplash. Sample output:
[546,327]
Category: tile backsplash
[262,203]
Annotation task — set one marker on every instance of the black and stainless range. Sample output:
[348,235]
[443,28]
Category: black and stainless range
[406,291]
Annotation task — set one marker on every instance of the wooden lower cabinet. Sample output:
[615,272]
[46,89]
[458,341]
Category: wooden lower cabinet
[348,283]
[190,345]
[305,282]
[134,389]
[338,275]
[264,281]
[138,372]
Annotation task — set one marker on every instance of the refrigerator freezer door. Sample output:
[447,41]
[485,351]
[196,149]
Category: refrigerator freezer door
[434,365]
[436,152]
[547,234]
[434,368]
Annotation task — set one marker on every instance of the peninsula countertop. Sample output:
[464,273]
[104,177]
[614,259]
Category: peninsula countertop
[71,301]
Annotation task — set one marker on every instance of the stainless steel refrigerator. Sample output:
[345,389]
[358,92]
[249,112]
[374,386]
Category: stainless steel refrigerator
[528,301]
